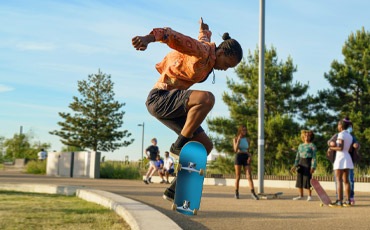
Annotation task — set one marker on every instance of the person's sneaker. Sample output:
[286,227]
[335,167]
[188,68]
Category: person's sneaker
[336,204]
[167,182]
[236,195]
[146,181]
[169,195]
[298,198]
[150,180]
[309,198]
[162,182]
[352,201]
[175,151]
[254,196]
[347,204]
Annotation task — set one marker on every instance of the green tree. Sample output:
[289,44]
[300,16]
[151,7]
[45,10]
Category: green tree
[97,117]
[67,148]
[282,108]
[349,94]
[20,146]
[17,147]
[2,149]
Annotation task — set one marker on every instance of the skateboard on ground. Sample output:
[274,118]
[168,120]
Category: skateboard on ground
[325,199]
[268,196]
[190,177]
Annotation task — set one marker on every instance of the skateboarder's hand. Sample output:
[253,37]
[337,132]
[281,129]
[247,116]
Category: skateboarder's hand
[141,42]
[203,26]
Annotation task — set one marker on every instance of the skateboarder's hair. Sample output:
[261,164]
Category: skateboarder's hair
[231,47]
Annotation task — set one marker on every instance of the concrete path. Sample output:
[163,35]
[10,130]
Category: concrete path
[219,209]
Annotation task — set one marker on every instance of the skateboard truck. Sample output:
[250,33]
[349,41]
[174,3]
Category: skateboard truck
[186,204]
[192,165]
[185,207]
[190,168]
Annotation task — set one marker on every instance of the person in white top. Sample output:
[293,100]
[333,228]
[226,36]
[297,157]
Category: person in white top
[343,163]
[42,155]
[168,167]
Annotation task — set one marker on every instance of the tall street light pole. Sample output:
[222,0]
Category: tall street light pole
[142,143]
[261,98]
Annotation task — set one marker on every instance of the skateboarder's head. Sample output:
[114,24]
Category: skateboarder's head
[229,53]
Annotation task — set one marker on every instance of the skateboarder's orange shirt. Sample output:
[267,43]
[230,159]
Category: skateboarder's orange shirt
[190,62]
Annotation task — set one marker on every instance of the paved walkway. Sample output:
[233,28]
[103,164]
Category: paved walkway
[219,210]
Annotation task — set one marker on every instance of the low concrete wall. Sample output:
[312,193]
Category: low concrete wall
[83,164]
[327,185]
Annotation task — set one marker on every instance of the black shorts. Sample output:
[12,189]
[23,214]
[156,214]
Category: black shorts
[169,107]
[241,159]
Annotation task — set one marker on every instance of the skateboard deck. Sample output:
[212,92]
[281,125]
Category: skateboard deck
[190,177]
[325,199]
[268,196]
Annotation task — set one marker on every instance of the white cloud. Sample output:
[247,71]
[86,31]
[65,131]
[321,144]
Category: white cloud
[4,88]
[36,46]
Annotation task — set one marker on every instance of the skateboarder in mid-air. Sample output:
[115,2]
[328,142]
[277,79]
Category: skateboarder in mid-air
[191,61]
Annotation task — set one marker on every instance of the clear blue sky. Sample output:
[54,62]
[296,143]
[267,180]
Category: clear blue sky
[47,46]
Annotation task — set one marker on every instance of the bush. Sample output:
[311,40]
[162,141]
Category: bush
[36,167]
[119,170]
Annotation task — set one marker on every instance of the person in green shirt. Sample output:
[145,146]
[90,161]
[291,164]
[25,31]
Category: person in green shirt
[305,162]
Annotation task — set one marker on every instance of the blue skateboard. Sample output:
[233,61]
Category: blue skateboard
[190,177]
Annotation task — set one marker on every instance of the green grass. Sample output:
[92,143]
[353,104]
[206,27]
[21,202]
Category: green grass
[43,211]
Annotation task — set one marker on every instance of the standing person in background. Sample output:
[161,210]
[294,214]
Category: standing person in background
[151,153]
[342,164]
[190,61]
[242,160]
[353,151]
[305,161]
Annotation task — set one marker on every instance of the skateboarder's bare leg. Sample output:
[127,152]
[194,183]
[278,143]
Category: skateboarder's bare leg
[204,139]
[199,105]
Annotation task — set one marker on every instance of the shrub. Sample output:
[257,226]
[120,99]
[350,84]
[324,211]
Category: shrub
[36,167]
[119,170]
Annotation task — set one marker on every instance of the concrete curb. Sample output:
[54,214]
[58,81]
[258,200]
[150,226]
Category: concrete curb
[136,214]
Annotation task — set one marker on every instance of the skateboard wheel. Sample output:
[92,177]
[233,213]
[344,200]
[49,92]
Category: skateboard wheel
[321,204]
[201,172]
[195,212]
[173,207]
[178,168]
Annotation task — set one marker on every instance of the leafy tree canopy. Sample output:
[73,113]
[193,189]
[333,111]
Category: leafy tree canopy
[97,118]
